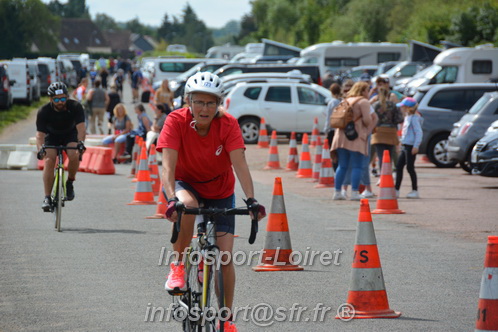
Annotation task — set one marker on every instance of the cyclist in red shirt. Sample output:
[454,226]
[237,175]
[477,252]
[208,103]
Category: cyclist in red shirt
[200,144]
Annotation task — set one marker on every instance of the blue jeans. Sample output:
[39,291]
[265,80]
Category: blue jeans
[347,157]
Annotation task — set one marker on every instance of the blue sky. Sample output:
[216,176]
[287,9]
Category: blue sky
[215,13]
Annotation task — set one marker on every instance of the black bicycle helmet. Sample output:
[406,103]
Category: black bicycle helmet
[56,88]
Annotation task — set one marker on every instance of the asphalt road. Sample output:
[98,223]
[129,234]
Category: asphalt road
[103,272]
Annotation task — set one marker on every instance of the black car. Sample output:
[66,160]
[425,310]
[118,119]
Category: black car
[5,93]
[485,155]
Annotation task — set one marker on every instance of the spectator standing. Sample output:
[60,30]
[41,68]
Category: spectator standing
[144,125]
[335,89]
[114,99]
[385,136]
[164,96]
[98,99]
[136,80]
[104,74]
[410,141]
[352,151]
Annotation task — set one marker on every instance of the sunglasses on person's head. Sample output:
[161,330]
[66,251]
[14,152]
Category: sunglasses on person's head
[62,99]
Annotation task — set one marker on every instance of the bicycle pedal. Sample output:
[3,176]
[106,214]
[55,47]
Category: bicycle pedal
[177,292]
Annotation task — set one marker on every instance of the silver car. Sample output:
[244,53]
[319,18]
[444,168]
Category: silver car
[471,127]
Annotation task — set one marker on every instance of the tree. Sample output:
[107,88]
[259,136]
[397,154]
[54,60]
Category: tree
[72,9]
[105,22]
[23,22]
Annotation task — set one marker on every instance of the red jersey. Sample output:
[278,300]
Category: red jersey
[203,162]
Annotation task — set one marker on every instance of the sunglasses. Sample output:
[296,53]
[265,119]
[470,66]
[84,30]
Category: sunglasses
[62,99]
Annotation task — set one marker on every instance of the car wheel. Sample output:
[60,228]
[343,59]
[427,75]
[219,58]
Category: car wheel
[466,165]
[250,130]
[437,151]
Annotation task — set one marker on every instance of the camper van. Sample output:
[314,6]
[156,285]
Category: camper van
[226,51]
[459,65]
[251,51]
[338,56]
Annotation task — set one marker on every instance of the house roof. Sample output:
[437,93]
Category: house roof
[81,35]
[119,40]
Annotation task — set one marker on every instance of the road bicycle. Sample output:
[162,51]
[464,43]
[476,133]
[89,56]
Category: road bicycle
[59,187]
[201,307]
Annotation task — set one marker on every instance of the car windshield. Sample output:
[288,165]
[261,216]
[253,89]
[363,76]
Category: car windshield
[479,105]
[431,71]
[395,69]
[188,73]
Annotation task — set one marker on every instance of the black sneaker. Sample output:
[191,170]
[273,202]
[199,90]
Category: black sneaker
[47,204]
[69,191]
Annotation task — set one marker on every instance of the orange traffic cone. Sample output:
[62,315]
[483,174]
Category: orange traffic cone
[143,192]
[162,204]
[141,146]
[487,309]
[314,133]
[367,293]
[154,171]
[387,203]
[273,159]
[293,159]
[278,249]
[134,158]
[305,169]
[317,165]
[263,135]
[326,179]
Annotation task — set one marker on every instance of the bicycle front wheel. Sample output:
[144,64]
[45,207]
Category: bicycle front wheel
[214,298]
[194,268]
[59,194]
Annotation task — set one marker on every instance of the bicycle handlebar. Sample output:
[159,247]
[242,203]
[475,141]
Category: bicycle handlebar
[63,147]
[182,209]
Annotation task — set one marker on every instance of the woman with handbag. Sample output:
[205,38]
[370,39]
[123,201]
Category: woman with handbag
[350,144]
[385,136]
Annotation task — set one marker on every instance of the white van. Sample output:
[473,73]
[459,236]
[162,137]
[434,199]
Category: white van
[459,65]
[54,75]
[338,56]
[18,71]
[34,75]
[226,51]
[169,68]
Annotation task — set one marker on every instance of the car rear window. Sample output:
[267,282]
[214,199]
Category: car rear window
[310,97]
[280,94]
[252,93]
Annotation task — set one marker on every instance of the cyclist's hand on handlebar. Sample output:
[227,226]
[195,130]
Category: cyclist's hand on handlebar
[255,208]
[81,146]
[40,154]
[170,213]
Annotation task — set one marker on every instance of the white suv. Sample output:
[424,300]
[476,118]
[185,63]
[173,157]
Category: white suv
[286,107]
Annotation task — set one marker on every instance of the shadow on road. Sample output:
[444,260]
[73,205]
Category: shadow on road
[418,319]
[94,230]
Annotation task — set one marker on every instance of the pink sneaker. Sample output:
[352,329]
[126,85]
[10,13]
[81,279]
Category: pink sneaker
[228,326]
[176,278]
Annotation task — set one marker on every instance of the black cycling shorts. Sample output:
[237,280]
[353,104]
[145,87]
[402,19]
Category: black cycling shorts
[51,139]
[224,224]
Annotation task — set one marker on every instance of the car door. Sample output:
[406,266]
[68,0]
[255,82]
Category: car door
[311,105]
[278,109]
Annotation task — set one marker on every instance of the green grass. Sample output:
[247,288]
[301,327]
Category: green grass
[19,112]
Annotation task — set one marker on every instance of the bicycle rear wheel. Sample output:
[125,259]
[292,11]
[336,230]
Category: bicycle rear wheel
[58,197]
[213,292]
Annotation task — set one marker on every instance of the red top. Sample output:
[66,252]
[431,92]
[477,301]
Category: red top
[203,162]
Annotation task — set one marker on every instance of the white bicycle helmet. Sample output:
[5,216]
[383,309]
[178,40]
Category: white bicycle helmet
[204,82]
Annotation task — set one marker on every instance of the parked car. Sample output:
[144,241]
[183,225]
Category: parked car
[240,68]
[19,73]
[441,105]
[286,107]
[68,73]
[5,90]
[292,76]
[53,71]
[356,72]
[34,75]
[384,67]
[471,127]
[484,156]
[402,70]
[170,68]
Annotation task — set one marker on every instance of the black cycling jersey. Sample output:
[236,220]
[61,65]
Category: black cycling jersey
[63,123]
